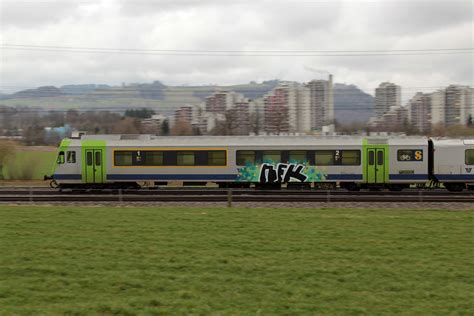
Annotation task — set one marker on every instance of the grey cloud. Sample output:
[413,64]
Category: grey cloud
[147,8]
[298,18]
[214,25]
[31,14]
[407,17]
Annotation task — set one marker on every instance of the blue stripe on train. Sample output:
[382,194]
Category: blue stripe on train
[67,177]
[408,177]
[208,177]
[171,177]
[343,176]
[442,177]
[231,177]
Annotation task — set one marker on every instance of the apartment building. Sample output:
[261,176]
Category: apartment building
[276,112]
[391,121]
[221,101]
[321,102]
[183,114]
[153,124]
[387,95]
[458,105]
[419,112]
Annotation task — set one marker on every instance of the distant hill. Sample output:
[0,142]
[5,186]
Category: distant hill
[350,103]
[41,92]
[251,90]
[78,89]
[155,90]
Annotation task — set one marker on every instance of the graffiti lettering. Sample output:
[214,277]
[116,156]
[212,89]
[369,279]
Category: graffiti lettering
[283,172]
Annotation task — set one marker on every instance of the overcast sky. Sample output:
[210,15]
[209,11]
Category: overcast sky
[237,26]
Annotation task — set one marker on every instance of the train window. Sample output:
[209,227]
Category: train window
[245,157]
[298,156]
[98,157]
[170,158]
[71,157]
[324,157]
[469,156]
[410,155]
[371,158]
[60,159]
[380,157]
[89,158]
[337,157]
[185,158]
[216,158]
[123,158]
[272,156]
[350,157]
[153,158]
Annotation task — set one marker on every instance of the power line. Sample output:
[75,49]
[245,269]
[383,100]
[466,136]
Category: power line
[237,53]
[242,51]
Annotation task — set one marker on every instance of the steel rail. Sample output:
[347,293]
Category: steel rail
[274,197]
[223,192]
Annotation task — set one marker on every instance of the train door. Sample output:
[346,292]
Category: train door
[375,165]
[94,169]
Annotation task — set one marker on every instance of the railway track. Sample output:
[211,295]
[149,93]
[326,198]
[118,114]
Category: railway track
[12,195]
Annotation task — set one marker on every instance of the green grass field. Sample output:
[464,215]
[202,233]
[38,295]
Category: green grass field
[155,261]
[29,165]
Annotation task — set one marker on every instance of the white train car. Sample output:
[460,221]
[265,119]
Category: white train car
[453,163]
[116,161]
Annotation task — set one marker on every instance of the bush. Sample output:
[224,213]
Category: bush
[7,150]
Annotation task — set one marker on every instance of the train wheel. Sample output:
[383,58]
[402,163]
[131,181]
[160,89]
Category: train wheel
[396,187]
[350,186]
[454,187]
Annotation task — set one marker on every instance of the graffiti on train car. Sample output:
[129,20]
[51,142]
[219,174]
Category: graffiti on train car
[269,172]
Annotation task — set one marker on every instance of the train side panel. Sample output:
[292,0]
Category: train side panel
[409,161]
[454,161]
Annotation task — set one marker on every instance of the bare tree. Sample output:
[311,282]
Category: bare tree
[182,128]
[7,150]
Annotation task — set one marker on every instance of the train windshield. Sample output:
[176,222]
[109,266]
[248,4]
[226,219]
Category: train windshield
[60,159]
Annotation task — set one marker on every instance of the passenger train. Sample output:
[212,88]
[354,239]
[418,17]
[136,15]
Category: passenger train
[352,163]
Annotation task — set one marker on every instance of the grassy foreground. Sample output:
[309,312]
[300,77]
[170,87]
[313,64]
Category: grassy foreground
[154,261]
[29,165]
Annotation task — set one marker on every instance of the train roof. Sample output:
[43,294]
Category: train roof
[219,141]
[447,142]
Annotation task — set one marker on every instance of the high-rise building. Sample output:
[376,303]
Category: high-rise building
[221,101]
[153,124]
[257,116]
[276,118]
[321,102]
[286,109]
[386,95]
[437,107]
[419,108]
[184,114]
[458,105]
[242,118]
[392,121]
[297,99]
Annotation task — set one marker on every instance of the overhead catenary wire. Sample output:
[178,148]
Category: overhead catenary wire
[240,53]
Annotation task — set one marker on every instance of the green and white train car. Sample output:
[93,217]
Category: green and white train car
[120,161]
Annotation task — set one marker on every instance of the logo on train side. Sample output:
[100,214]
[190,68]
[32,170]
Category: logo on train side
[468,170]
[269,172]
[282,172]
